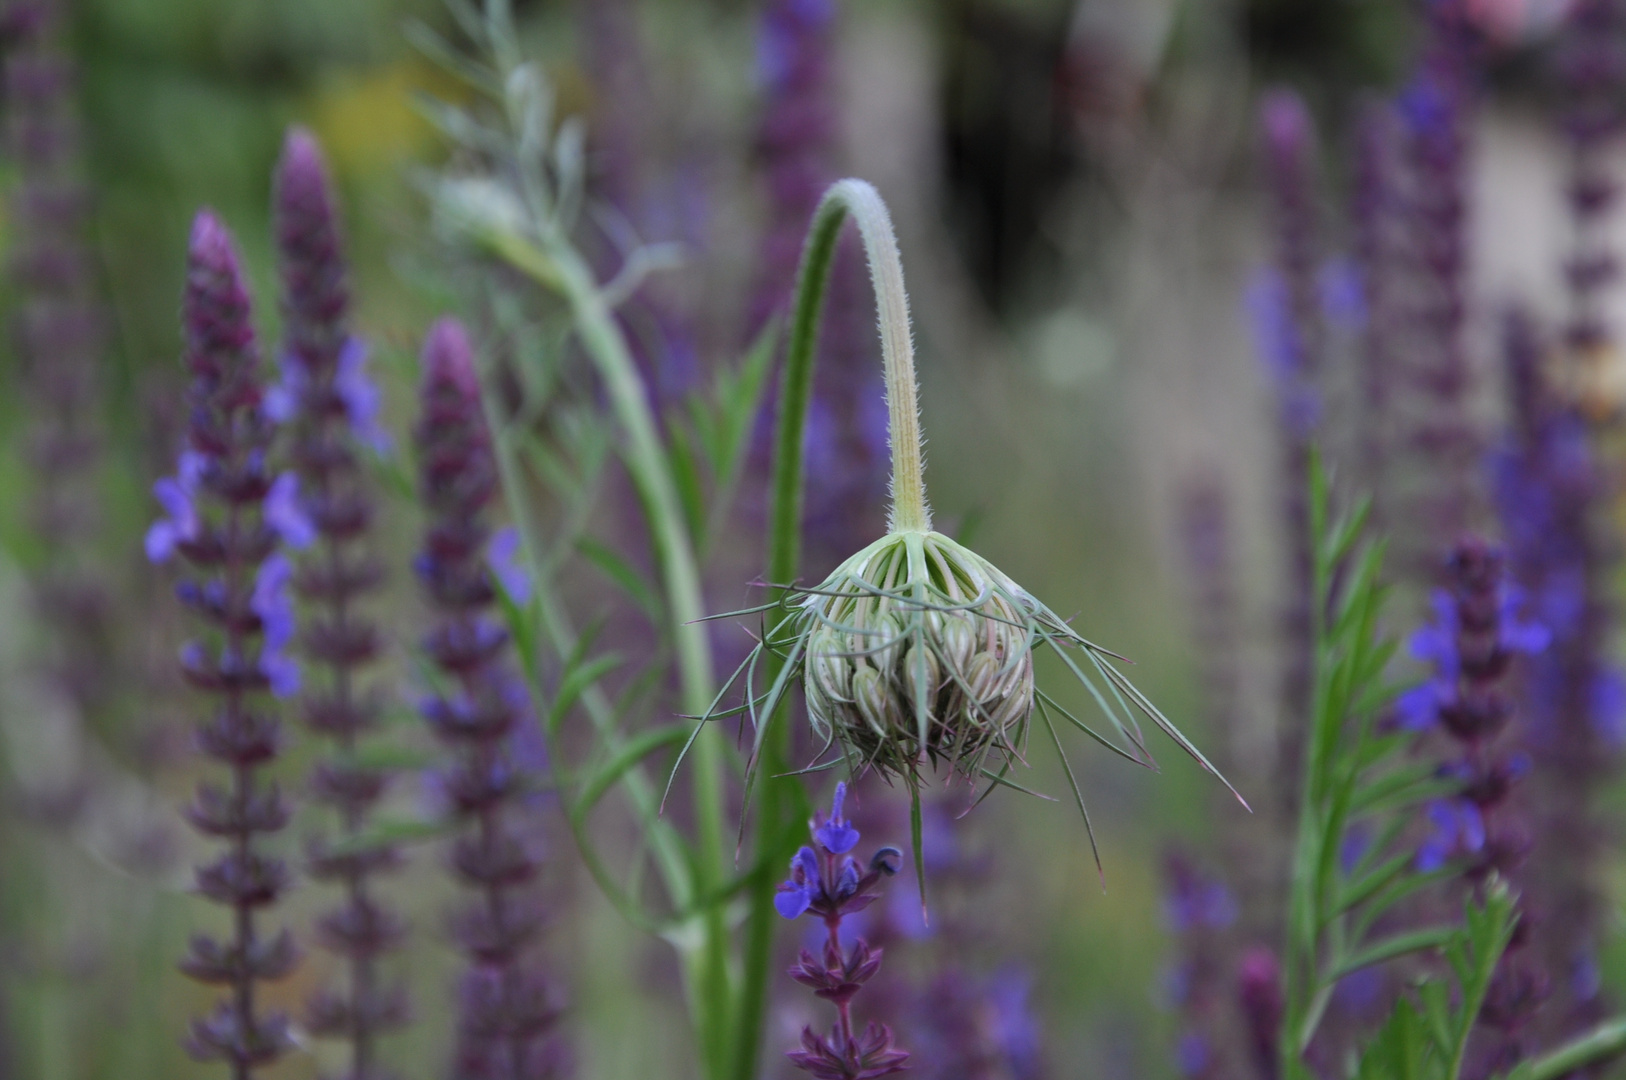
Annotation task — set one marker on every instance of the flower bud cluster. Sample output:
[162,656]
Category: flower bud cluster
[59,334]
[1552,493]
[505,1016]
[327,404]
[919,649]
[1592,70]
[828,884]
[226,524]
[1475,637]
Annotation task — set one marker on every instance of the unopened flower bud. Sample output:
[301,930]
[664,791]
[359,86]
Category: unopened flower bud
[921,676]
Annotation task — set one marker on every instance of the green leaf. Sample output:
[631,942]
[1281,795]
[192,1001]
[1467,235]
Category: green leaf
[686,476]
[578,677]
[630,753]
[1411,941]
[623,574]
[1398,1050]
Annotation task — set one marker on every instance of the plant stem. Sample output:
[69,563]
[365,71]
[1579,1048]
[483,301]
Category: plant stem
[1605,1041]
[909,511]
[783,803]
[646,462]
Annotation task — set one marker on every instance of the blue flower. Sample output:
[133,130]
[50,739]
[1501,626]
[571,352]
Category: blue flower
[271,602]
[281,401]
[836,834]
[803,887]
[357,392]
[285,514]
[1191,1054]
[1277,337]
[1343,298]
[502,556]
[175,495]
[1455,828]
[360,395]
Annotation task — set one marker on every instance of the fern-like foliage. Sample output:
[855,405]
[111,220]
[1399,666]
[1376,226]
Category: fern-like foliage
[1352,867]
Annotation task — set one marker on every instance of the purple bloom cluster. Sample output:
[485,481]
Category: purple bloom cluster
[1432,274]
[1200,911]
[505,1016]
[1476,634]
[828,884]
[220,526]
[1291,316]
[1259,990]
[1592,71]
[59,333]
[328,406]
[1287,311]
[1552,496]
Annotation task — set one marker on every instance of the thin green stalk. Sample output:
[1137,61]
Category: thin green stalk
[1606,1041]
[680,574]
[783,803]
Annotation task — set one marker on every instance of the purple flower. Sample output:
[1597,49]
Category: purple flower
[1192,1054]
[272,603]
[828,884]
[1343,297]
[1455,828]
[797,894]
[328,410]
[228,437]
[503,556]
[1437,644]
[1276,339]
[475,716]
[360,395]
[837,833]
[286,515]
[175,494]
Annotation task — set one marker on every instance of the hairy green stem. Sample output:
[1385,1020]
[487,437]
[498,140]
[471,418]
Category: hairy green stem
[909,509]
[783,803]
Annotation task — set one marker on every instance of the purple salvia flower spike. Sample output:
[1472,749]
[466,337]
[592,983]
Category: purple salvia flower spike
[1477,635]
[325,507]
[59,331]
[827,883]
[1551,493]
[1287,307]
[232,552]
[505,1021]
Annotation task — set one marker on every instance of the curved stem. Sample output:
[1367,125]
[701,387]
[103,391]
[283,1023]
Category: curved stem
[909,510]
[782,806]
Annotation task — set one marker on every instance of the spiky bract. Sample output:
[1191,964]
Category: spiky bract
[917,649]
[917,652]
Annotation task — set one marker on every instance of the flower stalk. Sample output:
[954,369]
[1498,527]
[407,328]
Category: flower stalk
[329,404]
[225,517]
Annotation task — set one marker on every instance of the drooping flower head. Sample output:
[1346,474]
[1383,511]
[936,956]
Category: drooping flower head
[916,653]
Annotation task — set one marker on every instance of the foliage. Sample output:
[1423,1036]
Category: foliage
[1351,867]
